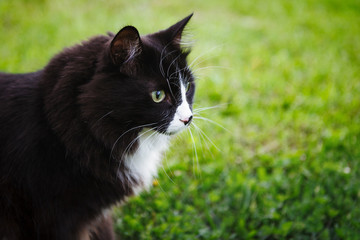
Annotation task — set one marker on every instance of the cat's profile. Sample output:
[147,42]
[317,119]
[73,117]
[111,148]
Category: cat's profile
[88,130]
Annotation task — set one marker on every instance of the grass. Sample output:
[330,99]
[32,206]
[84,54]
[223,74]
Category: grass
[285,77]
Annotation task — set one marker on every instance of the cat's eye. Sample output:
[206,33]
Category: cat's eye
[158,96]
[187,87]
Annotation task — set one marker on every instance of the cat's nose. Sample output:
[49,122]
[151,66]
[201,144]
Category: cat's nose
[187,121]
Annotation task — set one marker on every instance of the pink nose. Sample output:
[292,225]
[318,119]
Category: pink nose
[186,121]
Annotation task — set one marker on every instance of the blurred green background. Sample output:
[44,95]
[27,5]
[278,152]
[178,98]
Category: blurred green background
[283,77]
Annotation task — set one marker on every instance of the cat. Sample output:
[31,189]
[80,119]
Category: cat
[88,131]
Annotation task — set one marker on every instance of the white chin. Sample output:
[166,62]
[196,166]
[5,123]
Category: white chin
[176,126]
[174,133]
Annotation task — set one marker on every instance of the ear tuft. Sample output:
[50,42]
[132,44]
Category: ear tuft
[178,30]
[174,33]
[126,45]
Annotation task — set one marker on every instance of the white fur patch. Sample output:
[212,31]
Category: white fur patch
[182,112]
[144,162]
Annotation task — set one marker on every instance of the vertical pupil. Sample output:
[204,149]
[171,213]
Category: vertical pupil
[158,93]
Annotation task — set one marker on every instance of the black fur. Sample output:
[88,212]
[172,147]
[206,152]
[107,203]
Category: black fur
[59,166]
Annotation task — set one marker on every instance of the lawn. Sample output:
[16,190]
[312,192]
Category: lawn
[279,84]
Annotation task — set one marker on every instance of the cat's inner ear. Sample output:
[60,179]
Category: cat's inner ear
[176,31]
[126,45]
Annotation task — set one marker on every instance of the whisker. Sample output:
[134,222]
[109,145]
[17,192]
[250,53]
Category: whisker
[162,59]
[127,149]
[199,73]
[195,152]
[198,110]
[179,70]
[203,139]
[203,54]
[209,67]
[207,137]
[131,129]
[165,161]
[213,122]
[103,116]
[150,137]
[173,61]
[167,174]
[166,194]
[161,67]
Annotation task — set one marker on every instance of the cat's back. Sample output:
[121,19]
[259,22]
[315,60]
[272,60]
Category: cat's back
[19,93]
[19,105]
[12,83]
[17,88]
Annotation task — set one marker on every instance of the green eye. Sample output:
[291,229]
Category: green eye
[187,87]
[158,96]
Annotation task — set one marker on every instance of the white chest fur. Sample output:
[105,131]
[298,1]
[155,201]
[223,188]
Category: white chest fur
[144,162]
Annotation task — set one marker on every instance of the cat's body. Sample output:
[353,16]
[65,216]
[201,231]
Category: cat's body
[88,131]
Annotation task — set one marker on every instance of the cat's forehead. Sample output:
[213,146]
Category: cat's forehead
[163,49]
[166,60]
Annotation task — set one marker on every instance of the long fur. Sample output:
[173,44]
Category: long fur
[66,131]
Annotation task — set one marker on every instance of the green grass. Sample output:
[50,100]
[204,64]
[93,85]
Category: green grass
[285,76]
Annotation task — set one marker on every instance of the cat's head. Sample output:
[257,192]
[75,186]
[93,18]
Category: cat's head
[145,81]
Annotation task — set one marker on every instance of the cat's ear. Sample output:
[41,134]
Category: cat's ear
[175,32]
[126,45]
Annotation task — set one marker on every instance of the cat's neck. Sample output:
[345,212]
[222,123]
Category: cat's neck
[143,163]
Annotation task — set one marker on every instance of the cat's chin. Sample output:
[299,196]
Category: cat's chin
[170,132]
[174,132]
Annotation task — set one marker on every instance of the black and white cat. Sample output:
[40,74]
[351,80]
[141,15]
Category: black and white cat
[89,130]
